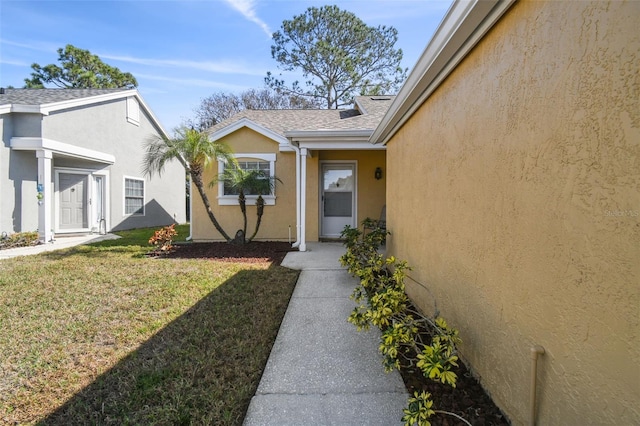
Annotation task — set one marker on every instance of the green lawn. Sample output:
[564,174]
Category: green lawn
[102,334]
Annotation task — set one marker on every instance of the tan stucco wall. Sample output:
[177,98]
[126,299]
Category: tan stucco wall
[371,192]
[513,192]
[276,219]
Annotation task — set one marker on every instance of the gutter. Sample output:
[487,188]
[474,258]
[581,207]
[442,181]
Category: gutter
[464,25]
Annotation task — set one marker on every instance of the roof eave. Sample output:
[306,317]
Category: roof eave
[329,134]
[463,26]
[250,124]
[47,108]
[73,103]
[332,139]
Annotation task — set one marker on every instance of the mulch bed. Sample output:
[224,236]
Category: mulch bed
[468,399]
[254,252]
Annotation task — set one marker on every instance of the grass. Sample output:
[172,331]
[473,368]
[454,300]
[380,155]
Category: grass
[102,334]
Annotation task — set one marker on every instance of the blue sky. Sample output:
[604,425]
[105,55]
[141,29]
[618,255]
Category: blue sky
[183,51]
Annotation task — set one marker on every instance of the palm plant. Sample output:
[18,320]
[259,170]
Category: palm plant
[255,182]
[195,152]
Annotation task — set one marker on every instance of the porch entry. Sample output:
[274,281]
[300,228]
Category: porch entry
[337,198]
[73,195]
[80,197]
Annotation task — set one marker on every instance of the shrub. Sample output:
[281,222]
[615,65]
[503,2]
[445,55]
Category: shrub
[19,239]
[403,327]
[162,239]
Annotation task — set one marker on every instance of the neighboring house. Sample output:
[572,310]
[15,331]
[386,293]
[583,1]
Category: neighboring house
[71,162]
[513,191]
[331,174]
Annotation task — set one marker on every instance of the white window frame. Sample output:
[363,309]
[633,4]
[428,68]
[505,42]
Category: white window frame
[124,196]
[133,111]
[232,200]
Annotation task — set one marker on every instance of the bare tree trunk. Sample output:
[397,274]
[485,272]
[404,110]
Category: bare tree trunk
[260,212]
[197,180]
[243,207]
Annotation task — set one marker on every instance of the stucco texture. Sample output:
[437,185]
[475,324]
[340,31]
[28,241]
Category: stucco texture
[513,192]
[371,191]
[104,128]
[278,218]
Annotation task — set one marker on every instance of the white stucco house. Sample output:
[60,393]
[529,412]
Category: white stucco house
[71,162]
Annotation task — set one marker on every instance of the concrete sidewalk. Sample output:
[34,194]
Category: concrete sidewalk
[322,371]
[57,244]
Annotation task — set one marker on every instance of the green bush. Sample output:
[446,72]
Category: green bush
[383,302]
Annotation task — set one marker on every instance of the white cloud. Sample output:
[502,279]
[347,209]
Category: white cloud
[192,82]
[247,9]
[14,62]
[40,47]
[223,67]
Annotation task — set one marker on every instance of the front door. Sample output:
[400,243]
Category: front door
[337,204]
[73,212]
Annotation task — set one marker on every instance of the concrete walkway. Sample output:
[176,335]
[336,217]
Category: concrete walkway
[57,244]
[322,371]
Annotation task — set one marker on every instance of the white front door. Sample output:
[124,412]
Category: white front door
[338,198]
[73,211]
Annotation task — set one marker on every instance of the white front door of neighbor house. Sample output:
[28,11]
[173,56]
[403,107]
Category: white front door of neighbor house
[337,198]
[73,211]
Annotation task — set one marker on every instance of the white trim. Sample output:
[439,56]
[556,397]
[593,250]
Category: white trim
[333,139]
[46,109]
[34,144]
[464,25]
[46,188]
[232,200]
[106,201]
[354,200]
[124,196]
[56,204]
[324,134]
[133,111]
[303,199]
[245,122]
[336,146]
[92,174]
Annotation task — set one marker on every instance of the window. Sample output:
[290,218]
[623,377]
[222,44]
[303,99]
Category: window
[133,196]
[262,162]
[133,111]
[259,165]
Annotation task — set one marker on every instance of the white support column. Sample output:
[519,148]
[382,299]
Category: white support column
[45,202]
[296,244]
[303,199]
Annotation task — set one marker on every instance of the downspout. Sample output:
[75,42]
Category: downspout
[535,352]
[296,244]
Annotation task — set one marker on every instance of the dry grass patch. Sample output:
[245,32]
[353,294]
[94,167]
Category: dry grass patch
[103,334]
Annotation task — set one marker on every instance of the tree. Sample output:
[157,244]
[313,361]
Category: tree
[255,182]
[79,70]
[338,54]
[220,106]
[195,152]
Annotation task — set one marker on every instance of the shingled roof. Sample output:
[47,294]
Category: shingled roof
[50,96]
[366,115]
